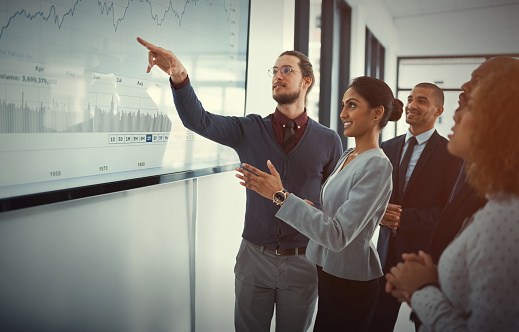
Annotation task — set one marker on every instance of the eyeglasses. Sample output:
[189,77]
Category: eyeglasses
[285,71]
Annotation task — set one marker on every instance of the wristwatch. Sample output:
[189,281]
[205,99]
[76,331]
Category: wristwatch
[280,196]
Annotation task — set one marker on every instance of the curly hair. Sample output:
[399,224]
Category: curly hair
[493,162]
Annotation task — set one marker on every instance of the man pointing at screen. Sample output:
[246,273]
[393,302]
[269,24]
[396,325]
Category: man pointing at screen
[271,267]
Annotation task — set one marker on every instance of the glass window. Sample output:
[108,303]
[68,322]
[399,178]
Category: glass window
[314,54]
[375,56]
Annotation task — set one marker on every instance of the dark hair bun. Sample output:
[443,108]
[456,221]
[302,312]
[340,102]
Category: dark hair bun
[398,109]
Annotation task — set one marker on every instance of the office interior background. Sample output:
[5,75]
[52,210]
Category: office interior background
[161,257]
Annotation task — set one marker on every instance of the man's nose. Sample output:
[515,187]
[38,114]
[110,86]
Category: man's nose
[412,105]
[466,86]
[278,75]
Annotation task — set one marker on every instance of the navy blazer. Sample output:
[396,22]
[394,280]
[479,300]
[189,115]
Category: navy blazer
[425,197]
[462,206]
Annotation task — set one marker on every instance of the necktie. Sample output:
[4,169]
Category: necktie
[402,170]
[290,136]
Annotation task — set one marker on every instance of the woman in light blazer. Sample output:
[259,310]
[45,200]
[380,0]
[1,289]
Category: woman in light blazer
[353,199]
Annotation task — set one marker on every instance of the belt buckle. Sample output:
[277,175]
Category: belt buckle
[277,254]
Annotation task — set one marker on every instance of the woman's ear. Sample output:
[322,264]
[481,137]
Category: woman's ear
[378,112]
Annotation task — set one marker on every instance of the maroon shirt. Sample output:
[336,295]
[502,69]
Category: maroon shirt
[279,121]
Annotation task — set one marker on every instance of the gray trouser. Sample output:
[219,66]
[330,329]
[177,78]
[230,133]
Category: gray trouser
[263,279]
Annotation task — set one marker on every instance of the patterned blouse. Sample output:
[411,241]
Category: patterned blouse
[478,275]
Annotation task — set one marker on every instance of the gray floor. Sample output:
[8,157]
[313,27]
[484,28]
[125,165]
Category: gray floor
[403,324]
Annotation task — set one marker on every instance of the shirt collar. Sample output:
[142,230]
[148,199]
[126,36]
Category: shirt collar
[282,119]
[422,138]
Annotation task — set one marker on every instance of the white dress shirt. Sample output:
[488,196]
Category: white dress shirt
[417,152]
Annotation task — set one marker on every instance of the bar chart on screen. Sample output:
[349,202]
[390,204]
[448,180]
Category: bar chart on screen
[76,105]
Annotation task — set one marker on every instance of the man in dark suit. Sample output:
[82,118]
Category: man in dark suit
[424,174]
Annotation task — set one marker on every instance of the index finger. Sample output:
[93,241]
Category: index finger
[412,257]
[389,286]
[393,207]
[391,279]
[143,42]
[427,259]
[252,169]
[245,172]
[392,213]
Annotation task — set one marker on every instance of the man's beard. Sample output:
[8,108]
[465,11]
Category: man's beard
[287,98]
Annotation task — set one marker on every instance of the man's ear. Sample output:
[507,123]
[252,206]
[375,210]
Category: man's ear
[307,81]
[439,111]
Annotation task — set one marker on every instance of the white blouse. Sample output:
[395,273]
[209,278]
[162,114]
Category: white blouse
[479,275]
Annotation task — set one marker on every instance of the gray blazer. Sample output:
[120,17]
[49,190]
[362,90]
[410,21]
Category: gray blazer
[353,204]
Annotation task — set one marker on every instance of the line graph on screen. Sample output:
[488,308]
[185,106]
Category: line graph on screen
[76,105]
[109,7]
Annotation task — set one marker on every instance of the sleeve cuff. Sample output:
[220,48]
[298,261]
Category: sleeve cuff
[179,85]
[433,284]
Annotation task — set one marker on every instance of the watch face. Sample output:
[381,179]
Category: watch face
[279,197]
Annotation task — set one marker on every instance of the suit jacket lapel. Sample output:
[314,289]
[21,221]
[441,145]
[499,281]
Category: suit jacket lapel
[399,146]
[453,205]
[396,154]
[428,151]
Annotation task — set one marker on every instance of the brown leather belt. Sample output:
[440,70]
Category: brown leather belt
[285,252]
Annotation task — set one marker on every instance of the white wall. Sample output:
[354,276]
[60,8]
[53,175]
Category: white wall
[221,207]
[117,262]
[477,31]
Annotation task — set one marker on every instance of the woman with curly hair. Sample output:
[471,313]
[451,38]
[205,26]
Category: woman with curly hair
[475,286]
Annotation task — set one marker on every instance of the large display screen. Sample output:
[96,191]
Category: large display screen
[76,105]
